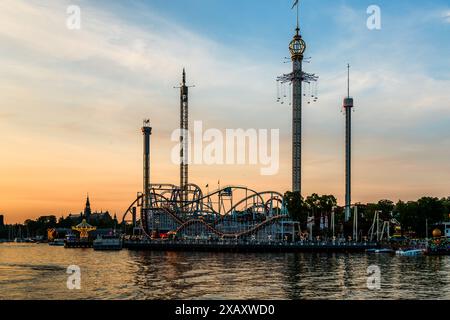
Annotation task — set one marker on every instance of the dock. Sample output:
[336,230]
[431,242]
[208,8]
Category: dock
[275,247]
[78,244]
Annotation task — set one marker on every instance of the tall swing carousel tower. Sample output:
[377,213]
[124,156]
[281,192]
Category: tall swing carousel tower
[297,48]
[296,79]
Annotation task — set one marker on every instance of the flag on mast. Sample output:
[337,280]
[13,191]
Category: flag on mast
[295,4]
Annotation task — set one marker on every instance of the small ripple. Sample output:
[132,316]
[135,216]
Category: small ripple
[39,272]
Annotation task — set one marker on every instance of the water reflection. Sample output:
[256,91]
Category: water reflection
[39,272]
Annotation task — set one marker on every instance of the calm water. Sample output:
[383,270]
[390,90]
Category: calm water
[38,271]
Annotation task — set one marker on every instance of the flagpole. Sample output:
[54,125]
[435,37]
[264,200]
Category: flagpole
[296,4]
[220,196]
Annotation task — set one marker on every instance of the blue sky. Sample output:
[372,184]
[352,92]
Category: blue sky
[75,98]
[414,25]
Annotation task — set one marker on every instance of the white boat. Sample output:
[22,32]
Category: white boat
[380,251]
[410,252]
[110,242]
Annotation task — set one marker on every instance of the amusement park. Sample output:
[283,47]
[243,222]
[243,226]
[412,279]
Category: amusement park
[208,158]
[182,216]
[184,212]
[165,216]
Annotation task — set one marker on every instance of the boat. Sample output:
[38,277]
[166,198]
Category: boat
[108,242]
[56,242]
[410,252]
[380,250]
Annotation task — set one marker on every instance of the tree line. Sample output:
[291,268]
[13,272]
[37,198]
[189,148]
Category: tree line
[38,227]
[413,216]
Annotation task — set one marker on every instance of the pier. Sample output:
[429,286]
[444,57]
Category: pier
[78,244]
[233,246]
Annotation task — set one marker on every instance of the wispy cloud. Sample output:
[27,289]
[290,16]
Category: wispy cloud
[109,57]
[446,16]
[74,99]
[78,96]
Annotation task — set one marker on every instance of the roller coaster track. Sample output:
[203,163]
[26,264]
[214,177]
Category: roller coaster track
[219,191]
[170,206]
[255,194]
[262,204]
[165,210]
[201,198]
[230,235]
[131,206]
[260,194]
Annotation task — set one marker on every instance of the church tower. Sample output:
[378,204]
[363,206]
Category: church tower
[87,209]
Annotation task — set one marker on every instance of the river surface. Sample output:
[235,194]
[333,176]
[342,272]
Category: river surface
[39,271]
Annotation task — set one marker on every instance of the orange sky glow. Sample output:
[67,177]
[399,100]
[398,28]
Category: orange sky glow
[73,102]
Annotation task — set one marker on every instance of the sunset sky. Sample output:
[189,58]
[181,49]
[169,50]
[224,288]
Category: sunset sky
[72,101]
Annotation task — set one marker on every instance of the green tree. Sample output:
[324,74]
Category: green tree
[386,207]
[446,204]
[327,202]
[296,206]
[65,222]
[39,226]
[430,210]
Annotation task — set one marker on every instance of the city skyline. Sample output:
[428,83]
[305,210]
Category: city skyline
[73,100]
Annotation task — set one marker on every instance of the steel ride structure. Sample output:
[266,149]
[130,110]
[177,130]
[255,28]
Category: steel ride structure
[232,212]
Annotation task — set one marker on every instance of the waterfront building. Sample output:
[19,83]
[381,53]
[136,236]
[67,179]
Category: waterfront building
[96,217]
